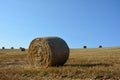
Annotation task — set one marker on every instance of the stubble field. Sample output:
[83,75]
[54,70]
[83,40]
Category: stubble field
[83,64]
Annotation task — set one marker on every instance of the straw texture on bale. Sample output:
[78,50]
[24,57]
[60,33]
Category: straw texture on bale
[48,51]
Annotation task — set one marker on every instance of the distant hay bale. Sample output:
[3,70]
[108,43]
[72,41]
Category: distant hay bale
[22,49]
[100,46]
[48,51]
[12,47]
[84,46]
[3,47]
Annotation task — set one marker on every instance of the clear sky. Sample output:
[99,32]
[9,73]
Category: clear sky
[78,22]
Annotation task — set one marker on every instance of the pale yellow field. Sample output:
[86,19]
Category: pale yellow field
[83,64]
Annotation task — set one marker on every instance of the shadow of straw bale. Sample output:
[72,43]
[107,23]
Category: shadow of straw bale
[89,65]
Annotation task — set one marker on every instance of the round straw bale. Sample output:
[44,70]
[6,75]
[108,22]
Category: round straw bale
[100,46]
[12,47]
[3,47]
[85,47]
[48,51]
[22,49]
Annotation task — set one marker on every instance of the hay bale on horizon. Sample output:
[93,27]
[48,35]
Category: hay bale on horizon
[22,49]
[3,47]
[48,51]
[12,47]
[85,47]
[100,46]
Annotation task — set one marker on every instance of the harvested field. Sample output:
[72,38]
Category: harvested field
[94,64]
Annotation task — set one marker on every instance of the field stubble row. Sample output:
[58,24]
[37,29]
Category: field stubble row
[96,63]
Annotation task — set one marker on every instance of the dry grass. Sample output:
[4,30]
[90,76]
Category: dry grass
[99,63]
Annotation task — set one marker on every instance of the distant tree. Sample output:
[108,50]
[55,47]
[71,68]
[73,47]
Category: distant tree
[100,46]
[84,46]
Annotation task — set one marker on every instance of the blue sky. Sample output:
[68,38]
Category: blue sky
[78,22]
